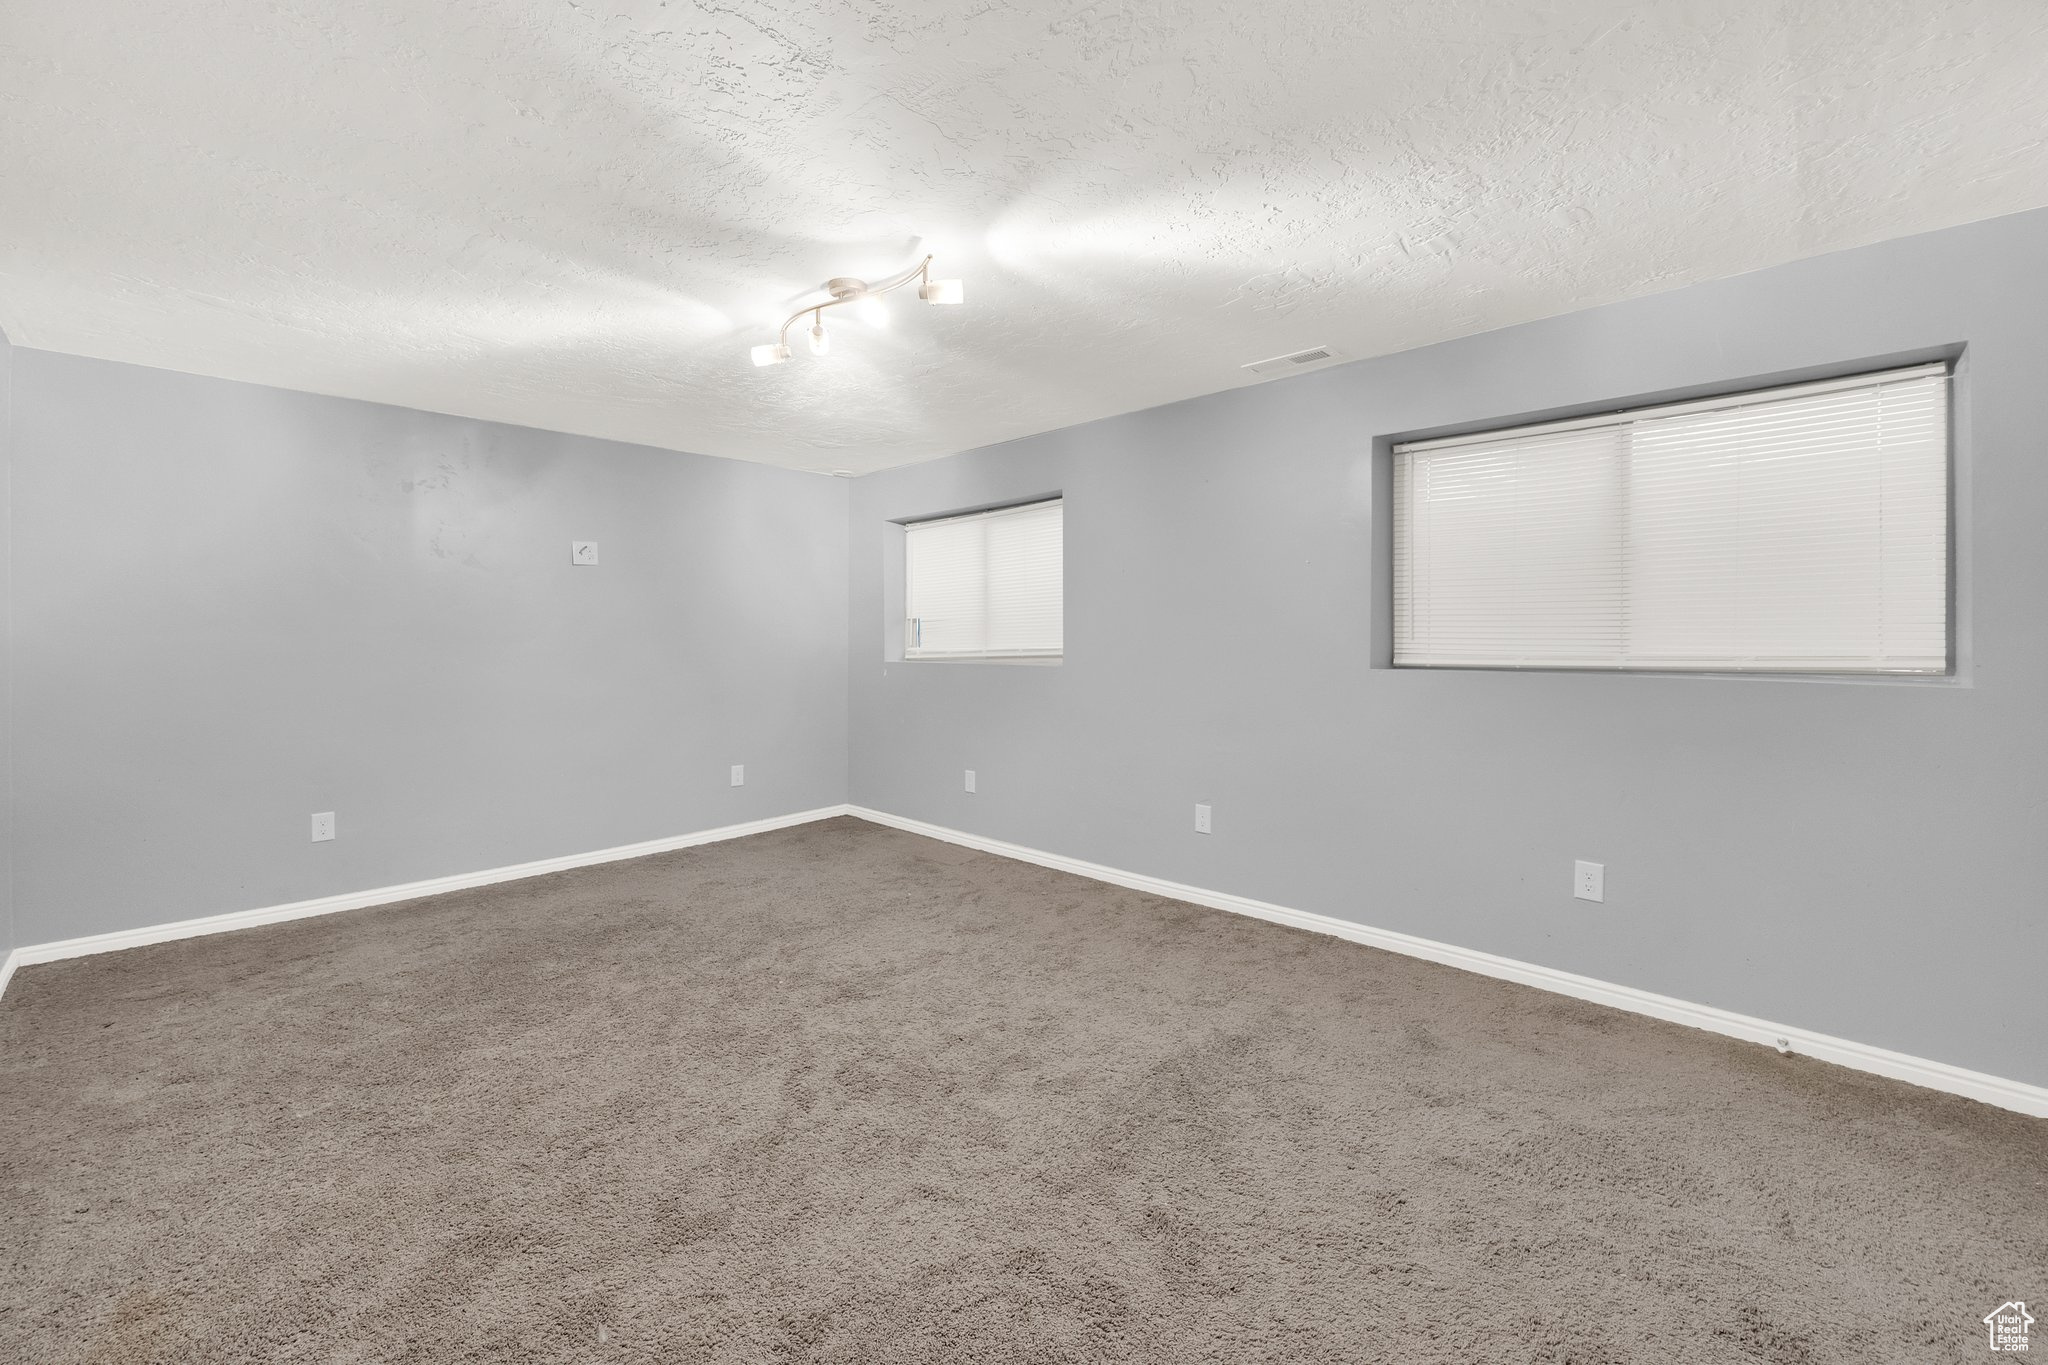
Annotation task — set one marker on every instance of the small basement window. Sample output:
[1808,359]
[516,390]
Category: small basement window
[1791,530]
[988,585]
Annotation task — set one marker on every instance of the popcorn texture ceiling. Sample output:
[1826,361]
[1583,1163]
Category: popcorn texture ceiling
[579,214]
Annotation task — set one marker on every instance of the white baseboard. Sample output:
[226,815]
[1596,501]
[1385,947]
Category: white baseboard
[1956,1080]
[30,954]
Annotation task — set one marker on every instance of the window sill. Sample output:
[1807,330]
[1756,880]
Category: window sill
[1952,678]
[1025,660]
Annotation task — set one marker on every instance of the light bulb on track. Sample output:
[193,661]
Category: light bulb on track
[943,291]
[873,311]
[820,343]
[771,354]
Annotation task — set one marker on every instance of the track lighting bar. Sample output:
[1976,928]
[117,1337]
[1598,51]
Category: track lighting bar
[846,289]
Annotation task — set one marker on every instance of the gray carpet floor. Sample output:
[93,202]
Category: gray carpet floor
[839,1093]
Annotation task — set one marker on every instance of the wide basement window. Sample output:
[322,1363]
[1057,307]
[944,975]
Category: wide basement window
[1793,530]
[989,585]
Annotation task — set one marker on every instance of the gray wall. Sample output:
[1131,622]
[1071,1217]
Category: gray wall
[236,606]
[1865,859]
[8,937]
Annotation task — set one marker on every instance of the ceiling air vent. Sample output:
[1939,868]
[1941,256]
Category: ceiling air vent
[1281,364]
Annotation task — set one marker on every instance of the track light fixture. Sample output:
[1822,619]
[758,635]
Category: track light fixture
[845,289]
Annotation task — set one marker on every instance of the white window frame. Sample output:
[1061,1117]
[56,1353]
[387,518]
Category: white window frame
[1923,667]
[913,650]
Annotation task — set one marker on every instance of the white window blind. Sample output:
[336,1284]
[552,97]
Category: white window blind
[986,585]
[1801,529]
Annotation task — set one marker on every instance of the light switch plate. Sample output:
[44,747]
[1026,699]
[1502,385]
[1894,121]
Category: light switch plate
[970,779]
[583,551]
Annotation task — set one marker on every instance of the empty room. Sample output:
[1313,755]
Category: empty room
[895,682]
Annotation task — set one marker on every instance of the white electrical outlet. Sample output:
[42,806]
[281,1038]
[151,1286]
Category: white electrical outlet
[1589,881]
[970,779]
[1202,818]
[583,552]
[323,826]
[739,774]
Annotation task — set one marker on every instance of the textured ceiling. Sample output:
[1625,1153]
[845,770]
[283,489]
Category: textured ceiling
[579,214]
